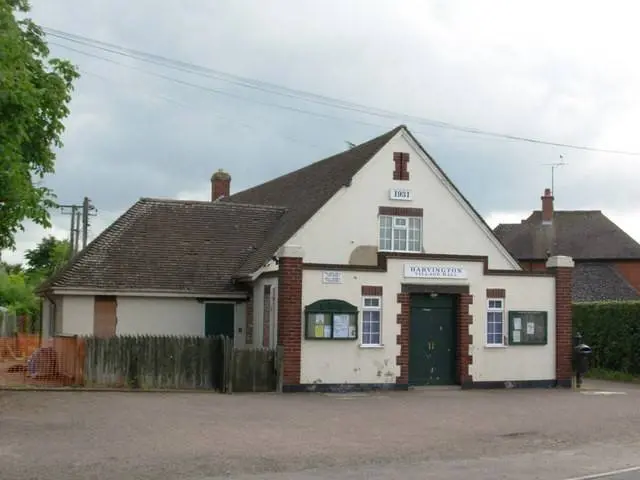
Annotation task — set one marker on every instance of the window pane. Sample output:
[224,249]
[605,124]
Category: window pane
[372,302]
[415,234]
[386,230]
[366,326]
[400,240]
[494,328]
[371,327]
[497,304]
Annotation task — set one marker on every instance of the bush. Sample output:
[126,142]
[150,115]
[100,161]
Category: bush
[612,329]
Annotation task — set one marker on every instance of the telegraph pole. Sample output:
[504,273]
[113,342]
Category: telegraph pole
[87,210]
[77,235]
[79,216]
[71,210]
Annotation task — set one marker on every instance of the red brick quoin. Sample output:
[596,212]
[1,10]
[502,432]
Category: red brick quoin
[463,358]
[402,360]
[563,270]
[290,317]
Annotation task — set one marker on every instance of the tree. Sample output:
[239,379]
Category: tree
[49,255]
[16,294]
[35,91]
[10,268]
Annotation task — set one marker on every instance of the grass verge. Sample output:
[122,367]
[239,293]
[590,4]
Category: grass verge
[612,375]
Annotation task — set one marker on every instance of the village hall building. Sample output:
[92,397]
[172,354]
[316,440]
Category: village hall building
[369,268]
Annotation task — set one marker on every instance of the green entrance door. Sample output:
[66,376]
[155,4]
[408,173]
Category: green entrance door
[432,340]
[219,319]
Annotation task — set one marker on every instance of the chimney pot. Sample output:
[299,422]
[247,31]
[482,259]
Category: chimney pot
[220,185]
[547,206]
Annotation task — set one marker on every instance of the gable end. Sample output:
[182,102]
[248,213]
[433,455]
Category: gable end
[461,199]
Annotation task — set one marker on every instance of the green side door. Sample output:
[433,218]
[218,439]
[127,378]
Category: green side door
[432,341]
[219,319]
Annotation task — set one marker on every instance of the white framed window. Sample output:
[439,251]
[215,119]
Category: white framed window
[371,321]
[400,234]
[495,322]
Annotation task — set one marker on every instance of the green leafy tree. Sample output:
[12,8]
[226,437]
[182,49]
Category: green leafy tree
[47,257]
[35,91]
[16,294]
[10,268]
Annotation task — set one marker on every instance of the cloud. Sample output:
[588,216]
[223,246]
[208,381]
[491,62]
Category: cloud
[561,71]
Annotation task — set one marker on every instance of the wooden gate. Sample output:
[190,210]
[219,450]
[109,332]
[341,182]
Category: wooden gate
[253,370]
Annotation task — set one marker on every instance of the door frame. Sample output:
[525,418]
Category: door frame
[450,306]
[462,300]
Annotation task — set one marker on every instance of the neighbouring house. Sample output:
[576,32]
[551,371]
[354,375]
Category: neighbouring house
[607,259]
[369,268]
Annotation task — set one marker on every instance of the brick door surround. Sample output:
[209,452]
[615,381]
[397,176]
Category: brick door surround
[464,357]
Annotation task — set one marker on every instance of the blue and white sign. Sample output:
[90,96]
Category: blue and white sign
[412,270]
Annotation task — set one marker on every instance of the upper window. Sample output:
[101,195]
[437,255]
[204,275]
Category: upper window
[400,234]
[371,320]
[495,321]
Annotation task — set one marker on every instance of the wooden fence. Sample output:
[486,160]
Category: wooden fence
[177,362]
[253,370]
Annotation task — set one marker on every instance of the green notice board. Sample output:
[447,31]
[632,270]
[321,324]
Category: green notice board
[527,327]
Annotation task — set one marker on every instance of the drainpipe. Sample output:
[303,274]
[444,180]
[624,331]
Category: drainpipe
[55,309]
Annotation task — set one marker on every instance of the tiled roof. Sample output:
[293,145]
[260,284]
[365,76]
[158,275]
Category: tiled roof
[303,192]
[581,234]
[202,247]
[199,247]
[600,281]
[171,246]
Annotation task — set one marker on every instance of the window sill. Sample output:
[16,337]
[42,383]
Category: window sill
[374,347]
[398,251]
[495,346]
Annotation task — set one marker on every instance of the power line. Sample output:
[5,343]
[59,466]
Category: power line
[83,71]
[214,90]
[300,94]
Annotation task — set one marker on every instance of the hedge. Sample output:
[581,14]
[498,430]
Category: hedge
[612,329]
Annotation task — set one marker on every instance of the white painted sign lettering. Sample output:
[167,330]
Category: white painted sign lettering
[412,270]
[400,194]
[332,277]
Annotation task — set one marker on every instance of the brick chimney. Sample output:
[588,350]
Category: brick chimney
[220,185]
[547,206]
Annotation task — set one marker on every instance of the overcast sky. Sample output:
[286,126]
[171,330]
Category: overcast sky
[564,72]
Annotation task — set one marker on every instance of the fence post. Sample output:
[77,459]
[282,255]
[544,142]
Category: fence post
[279,368]
[254,367]
[230,362]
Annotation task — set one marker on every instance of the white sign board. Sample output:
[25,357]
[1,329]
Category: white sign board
[412,270]
[400,194]
[332,277]
[341,326]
